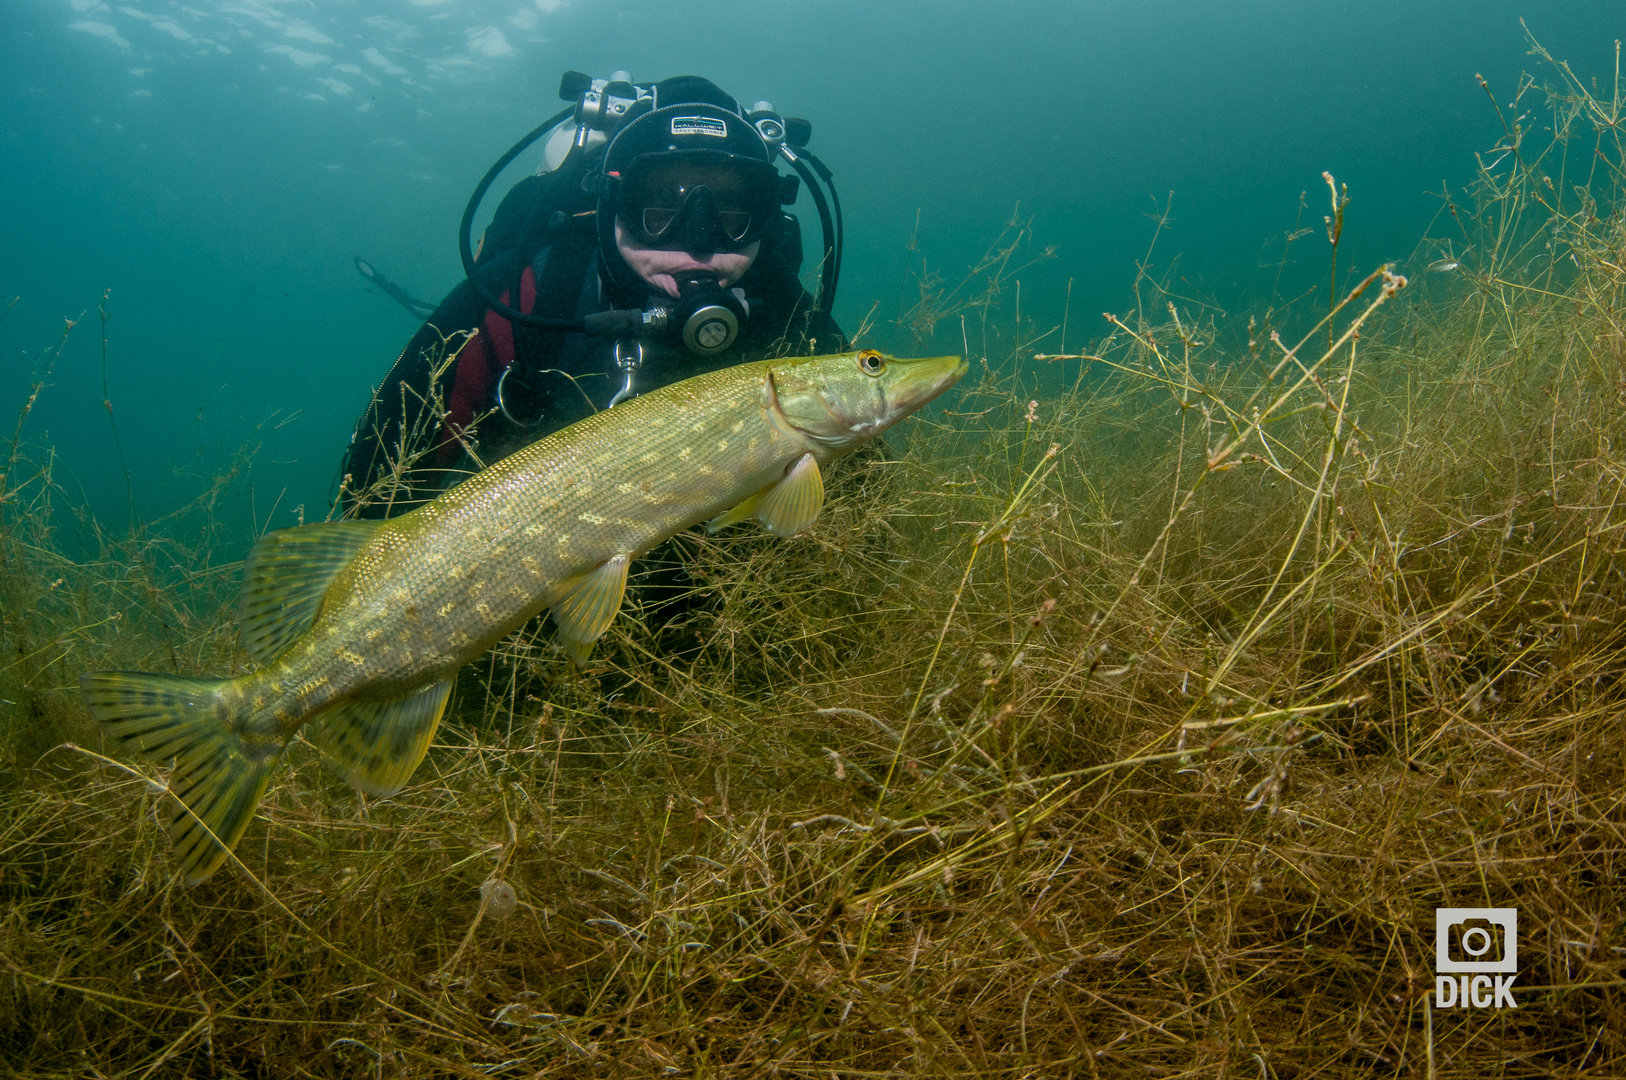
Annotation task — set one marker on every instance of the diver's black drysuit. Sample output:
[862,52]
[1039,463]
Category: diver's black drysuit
[542,249]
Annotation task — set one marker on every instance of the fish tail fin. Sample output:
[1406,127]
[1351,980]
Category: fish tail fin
[218,775]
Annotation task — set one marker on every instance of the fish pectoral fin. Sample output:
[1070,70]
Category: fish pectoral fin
[794,503]
[589,606]
[579,650]
[786,507]
[740,513]
[379,744]
[285,578]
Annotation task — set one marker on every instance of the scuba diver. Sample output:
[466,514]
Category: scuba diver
[651,246]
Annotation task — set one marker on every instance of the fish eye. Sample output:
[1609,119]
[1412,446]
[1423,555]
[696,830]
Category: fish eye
[871,362]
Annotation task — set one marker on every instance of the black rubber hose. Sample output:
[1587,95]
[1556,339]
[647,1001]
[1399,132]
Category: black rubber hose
[841,230]
[420,308]
[827,290]
[466,249]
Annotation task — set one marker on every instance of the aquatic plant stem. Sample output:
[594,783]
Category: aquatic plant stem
[47,362]
[993,531]
[264,890]
[107,403]
[1066,311]
[1142,268]
[1059,782]
[1219,459]
[1261,618]
[1335,233]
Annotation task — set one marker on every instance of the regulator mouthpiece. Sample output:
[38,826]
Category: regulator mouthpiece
[707,315]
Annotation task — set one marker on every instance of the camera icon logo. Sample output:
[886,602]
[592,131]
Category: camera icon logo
[1476,941]
[1476,956]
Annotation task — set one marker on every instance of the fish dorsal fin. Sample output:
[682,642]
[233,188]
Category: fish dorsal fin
[733,517]
[794,503]
[379,744]
[285,578]
[589,605]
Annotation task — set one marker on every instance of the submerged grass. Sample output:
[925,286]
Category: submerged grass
[1131,718]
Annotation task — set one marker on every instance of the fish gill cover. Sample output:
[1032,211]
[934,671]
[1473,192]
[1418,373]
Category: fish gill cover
[1132,715]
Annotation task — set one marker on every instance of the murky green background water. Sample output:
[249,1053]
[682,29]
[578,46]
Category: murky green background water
[217,165]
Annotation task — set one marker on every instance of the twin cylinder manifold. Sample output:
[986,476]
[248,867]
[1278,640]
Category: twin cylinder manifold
[601,104]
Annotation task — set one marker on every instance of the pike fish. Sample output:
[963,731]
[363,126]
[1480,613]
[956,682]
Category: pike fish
[359,627]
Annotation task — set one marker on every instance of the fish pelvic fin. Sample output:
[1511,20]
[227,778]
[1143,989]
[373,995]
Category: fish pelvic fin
[287,576]
[379,744]
[219,773]
[589,605]
[740,513]
[794,503]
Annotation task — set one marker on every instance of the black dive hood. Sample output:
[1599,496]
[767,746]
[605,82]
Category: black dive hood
[680,116]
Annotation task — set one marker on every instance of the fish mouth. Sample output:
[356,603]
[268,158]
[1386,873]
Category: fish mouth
[912,383]
[922,380]
[836,425]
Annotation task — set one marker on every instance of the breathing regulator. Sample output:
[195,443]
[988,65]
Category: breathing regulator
[685,169]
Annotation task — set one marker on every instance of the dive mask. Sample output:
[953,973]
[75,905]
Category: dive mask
[697,200]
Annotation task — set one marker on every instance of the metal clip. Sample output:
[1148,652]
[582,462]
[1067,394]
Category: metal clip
[502,406]
[629,363]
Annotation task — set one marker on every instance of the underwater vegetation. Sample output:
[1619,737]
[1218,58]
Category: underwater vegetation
[1130,717]
[359,628]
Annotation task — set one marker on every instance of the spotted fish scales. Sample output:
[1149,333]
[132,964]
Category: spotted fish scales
[358,627]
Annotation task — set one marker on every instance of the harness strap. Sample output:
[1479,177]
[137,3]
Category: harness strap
[480,363]
[549,287]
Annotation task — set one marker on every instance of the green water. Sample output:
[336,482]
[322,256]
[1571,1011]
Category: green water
[217,166]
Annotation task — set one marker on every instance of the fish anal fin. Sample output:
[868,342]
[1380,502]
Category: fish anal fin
[739,513]
[379,744]
[794,503]
[589,606]
[285,578]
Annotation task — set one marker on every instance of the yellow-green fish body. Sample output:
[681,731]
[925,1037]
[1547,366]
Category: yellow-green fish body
[361,626]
